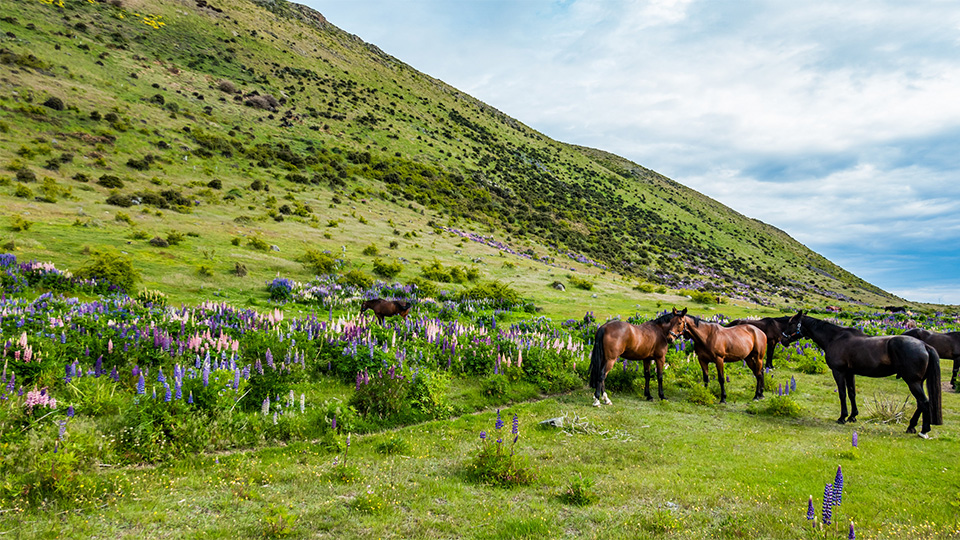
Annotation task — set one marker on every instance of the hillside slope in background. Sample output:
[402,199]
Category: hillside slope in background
[224,122]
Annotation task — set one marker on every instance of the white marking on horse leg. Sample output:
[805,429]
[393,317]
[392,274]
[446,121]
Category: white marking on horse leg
[923,436]
[596,402]
[606,399]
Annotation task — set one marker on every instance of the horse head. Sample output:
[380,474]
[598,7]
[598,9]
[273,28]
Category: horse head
[794,329]
[677,324]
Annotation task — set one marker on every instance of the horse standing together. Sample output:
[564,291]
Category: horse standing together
[913,357]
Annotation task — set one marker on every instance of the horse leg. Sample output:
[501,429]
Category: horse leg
[660,362]
[703,368]
[953,376]
[923,408]
[842,392]
[852,394]
[720,377]
[646,375]
[770,350]
[600,389]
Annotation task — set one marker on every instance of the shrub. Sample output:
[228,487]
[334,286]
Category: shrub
[23,192]
[357,278]
[700,297]
[54,103]
[156,241]
[321,262]
[809,360]
[26,176]
[110,181]
[153,430]
[644,287]
[18,224]
[496,291]
[258,243]
[382,395]
[388,269]
[174,238]
[112,267]
[428,393]
[394,445]
[436,272]
[371,250]
[581,283]
[424,288]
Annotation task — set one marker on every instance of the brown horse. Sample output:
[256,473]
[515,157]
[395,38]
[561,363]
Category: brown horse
[647,342]
[772,328]
[850,352]
[946,344]
[386,308]
[716,344]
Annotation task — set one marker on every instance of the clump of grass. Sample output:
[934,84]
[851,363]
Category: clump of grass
[781,406]
[701,395]
[579,492]
[580,283]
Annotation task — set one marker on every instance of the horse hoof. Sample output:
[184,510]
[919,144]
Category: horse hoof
[923,435]
[596,403]
[911,430]
[852,419]
[650,398]
[841,421]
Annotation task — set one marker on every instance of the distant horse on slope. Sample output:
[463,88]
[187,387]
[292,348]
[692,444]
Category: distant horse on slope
[647,342]
[386,308]
[850,352]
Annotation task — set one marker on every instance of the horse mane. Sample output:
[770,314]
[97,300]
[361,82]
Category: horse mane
[818,324]
[663,319]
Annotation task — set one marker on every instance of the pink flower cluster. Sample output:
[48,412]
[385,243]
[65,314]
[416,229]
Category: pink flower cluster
[39,398]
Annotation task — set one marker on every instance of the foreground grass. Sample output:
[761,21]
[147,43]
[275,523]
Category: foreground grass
[661,469]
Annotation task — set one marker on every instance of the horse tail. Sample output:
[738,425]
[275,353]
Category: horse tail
[933,386]
[597,358]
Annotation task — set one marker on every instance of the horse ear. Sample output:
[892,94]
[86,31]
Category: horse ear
[683,313]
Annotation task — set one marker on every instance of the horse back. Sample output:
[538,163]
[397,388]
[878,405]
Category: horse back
[947,344]
[633,342]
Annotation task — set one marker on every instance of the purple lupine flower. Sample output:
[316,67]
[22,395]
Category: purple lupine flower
[68,375]
[141,384]
[499,424]
[269,356]
[827,503]
[265,407]
[190,398]
[516,425]
[114,375]
[333,424]
[178,389]
[63,430]
[855,439]
[838,487]
[70,412]
[793,384]
[166,392]
[811,513]
[483,435]
[303,402]
[160,377]
[206,374]
[852,535]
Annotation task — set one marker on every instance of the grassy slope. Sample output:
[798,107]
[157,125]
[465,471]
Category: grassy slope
[487,173]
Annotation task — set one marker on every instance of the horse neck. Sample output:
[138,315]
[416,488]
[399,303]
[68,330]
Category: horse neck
[698,332]
[821,332]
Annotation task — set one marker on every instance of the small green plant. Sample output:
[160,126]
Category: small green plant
[579,492]
[394,445]
[205,271]
[371,250]
[123,217]
[321,262]
[175,237]
[110,266]
[808,360]
[701,395]
[18,224]
[701,297]
[357,278]
[258,244]
[782,406]
[369,501]
[497,462]
[23,192]
[278,521]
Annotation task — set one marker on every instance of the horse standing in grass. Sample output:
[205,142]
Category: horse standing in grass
[647,342]
[772,328]
[850,352]
[386,308]
[716,344]
[946,344]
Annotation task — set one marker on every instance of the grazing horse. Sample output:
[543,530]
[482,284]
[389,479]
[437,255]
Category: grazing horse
[647,342]
[947,346]
[850,352]
[717,344]
[386,308]
[772,327]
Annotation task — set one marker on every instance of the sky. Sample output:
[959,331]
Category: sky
[837,122]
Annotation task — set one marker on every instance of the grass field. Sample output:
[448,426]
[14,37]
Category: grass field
[670,469]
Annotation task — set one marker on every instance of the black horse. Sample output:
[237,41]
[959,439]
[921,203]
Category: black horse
[850,352]
[386,308]
[773,328]
[947,346]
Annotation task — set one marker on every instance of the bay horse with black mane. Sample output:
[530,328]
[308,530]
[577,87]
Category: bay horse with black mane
[647,342]
[851,352]
[717,344]
[386,308]
[946,344]
[772,328]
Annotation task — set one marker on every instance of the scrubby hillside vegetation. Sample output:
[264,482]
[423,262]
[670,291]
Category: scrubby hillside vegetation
[210,140]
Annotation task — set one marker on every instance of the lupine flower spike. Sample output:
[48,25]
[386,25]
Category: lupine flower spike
[811,513]
[852,535]
[855,439]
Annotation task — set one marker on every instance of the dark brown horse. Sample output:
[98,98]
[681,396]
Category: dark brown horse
[386,308]
[716,344]
[947,346]
[850,352]
[647,342]
[772,328]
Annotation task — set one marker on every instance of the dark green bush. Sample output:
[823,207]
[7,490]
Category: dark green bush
[110,266]
[387,269]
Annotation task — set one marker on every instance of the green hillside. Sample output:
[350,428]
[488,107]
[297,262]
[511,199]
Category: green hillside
[246,133]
